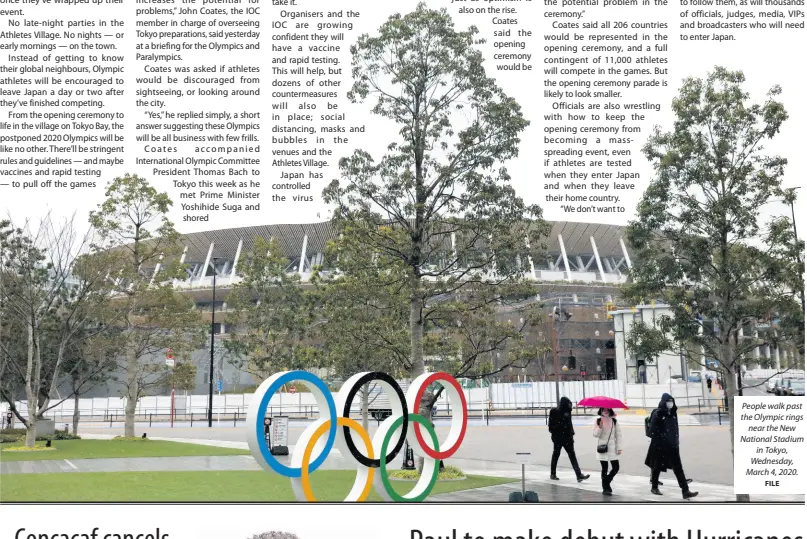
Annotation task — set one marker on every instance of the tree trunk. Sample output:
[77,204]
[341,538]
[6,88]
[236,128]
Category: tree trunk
[132,391]
[731,392]
[416,329]
[418,365]
[30,433]
[365,406]
[31,390]
[76,413]
[425,410]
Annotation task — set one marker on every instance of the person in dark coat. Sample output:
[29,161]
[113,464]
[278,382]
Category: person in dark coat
[663,453]
[562,432]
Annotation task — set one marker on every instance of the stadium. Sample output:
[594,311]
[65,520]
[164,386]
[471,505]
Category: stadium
[577,279]
[583,266]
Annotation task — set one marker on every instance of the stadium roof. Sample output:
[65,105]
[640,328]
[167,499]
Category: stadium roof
[576,239]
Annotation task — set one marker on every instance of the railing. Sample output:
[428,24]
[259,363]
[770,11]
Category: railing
[706,403]
[721,405]
[236,415]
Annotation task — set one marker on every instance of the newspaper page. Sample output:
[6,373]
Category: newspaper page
[488,252]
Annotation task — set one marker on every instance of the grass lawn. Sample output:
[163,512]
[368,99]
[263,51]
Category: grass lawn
[98,449]
[224,486]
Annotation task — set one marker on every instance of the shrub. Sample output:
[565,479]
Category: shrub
[8,436]
[37,447]
[448,473]
[60,435]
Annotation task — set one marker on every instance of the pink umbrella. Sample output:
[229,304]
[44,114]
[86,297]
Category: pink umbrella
[602,402]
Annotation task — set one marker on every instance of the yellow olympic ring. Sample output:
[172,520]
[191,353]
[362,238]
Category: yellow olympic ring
[340,422]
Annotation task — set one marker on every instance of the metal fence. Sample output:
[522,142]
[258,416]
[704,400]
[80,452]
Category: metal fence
[529,399]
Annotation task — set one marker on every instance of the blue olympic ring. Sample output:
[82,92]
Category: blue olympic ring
[270,459]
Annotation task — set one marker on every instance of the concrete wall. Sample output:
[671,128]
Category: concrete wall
[502,396]
[649,395]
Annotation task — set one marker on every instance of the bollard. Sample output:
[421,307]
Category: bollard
[191,419]
[149,420]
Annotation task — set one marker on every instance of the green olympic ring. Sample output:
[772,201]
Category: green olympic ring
[426,482]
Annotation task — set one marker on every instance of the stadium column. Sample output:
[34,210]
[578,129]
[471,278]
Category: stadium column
[565,258]
[156,270]
[203,270]
[302,254]
[529,258]
[597,258]
[235,260]
[181,261]
[625,253]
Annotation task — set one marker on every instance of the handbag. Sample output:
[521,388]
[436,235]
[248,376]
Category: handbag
[603,448]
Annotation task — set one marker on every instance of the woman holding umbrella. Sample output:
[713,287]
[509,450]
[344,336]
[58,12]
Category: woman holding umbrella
[609,446]
[609,437]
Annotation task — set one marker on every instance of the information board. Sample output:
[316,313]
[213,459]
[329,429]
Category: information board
[280,435]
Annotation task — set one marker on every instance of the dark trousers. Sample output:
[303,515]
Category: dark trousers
[608,477]
[677,469]
[569,447]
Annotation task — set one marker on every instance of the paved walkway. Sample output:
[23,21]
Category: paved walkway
[626,487]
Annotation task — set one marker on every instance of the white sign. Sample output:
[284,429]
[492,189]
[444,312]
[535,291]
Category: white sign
[169,362]
[523,458]
[280,431]
[770,456]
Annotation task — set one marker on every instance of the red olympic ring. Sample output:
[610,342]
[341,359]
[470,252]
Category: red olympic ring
[441,455]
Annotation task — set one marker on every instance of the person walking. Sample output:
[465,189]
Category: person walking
[664,453]
[709,383]
[609,446]
[562,432]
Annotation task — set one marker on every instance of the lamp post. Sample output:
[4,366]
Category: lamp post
[212,348]
[556,360]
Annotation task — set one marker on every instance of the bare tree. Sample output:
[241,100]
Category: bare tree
[44,299]
[135,232]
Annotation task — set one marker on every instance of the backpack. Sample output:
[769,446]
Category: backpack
[647,421]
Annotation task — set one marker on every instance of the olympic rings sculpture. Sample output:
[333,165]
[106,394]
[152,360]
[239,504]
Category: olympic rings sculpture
[324,434]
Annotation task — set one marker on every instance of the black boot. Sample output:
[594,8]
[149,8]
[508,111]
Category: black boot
[656,491]
[554,477]
[689,494]
[582,477]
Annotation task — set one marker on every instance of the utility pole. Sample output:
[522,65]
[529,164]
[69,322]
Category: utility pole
[556,346]
[212,348]
[555,354]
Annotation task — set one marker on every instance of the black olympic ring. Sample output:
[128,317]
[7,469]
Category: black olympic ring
[369,377]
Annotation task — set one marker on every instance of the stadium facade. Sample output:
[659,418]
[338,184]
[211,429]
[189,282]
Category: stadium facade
[583,266]
[577,277]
